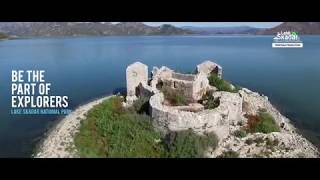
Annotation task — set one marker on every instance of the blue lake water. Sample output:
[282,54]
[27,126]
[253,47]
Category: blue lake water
[89,67]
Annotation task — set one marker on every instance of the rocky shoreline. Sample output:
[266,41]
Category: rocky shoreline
[59,142]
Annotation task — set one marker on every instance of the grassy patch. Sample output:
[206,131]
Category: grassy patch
[240,133]
[112,131]
[174,97]
[221,85]
[263,122]
[187,144]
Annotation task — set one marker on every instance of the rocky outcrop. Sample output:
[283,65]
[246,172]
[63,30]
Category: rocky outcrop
[286,143]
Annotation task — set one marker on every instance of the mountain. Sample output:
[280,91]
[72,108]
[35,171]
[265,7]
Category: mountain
[300,27]
[222,30]
[27,29]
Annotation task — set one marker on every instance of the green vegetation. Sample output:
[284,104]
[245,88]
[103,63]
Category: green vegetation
[110,130]
[229,154]
[175,97]
[221,85]
[113,131]
[240,133]
[209,102]
[263,123]
[187,144]
[141,105]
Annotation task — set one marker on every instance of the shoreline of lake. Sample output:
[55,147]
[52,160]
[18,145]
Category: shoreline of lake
[58,142]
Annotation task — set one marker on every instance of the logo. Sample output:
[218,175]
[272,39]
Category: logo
[287,39]
[31,94]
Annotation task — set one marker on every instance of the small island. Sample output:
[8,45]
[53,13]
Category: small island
[176,115]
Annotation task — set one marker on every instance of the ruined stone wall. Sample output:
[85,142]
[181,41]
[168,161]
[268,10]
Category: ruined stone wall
[183,87]
[200,86]
[193,87]
[185,77]
[166,118]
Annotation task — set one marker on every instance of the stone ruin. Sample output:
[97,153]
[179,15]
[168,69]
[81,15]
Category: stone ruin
[137,74]
[193,87]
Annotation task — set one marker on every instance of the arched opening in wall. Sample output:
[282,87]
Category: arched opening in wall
[159,85]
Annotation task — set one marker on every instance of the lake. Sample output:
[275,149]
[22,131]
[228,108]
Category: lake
[85,68]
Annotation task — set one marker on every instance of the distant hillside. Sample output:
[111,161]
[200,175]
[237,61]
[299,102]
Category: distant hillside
[87,28]
[300,27]
[222,30]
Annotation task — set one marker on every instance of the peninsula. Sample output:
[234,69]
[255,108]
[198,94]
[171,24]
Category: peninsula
[178,115]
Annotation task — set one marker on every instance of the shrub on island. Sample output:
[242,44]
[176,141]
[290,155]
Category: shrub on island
[262,122]
[188,144]
[209,101]
[221,84]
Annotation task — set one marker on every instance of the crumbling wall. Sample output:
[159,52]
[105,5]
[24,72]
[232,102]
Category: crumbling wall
[193,87]
[200,86]
[184,77]
[166,118]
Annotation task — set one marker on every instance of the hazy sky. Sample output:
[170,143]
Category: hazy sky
[217,24]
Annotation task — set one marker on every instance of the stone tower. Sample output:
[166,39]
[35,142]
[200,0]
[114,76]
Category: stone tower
[208,67]
[136,73]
